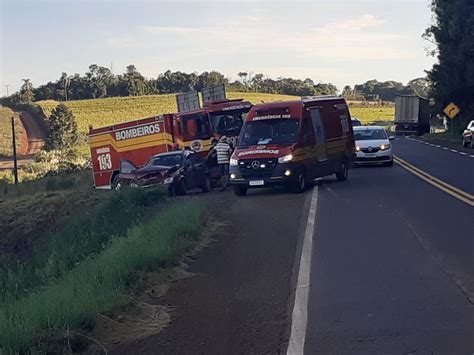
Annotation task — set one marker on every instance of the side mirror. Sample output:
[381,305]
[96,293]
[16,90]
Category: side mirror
[391,138]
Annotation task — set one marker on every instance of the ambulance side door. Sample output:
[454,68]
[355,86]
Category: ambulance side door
[321,159]
[307,144]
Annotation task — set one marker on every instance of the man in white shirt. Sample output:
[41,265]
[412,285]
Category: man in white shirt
[224,151]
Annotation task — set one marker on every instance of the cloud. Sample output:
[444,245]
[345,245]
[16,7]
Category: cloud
[349,39]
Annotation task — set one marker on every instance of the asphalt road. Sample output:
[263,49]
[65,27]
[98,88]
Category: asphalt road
[395,274]
[391,269]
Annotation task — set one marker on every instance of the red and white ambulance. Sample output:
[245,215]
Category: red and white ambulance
[290,143]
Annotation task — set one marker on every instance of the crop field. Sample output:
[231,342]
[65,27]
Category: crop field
[6,131]
[373,114]
[103,112]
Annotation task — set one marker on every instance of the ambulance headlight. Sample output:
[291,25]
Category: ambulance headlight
[233,162]
[168,181]
[357,148]
[232,176]
[286,158]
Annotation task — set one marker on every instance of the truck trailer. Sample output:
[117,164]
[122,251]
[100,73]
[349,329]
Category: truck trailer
[412,115]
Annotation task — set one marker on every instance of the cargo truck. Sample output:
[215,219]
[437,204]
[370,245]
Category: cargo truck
[412,115]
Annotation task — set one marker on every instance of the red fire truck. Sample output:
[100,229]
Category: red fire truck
[196,127]
[191,128]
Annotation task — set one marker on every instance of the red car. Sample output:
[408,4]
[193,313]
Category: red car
[178,171]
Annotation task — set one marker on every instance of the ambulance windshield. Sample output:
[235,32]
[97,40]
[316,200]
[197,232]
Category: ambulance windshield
[228,123]
[269,132]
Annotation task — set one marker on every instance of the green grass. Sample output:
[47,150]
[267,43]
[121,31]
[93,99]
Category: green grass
[99,284]
[446,136]
[373,114]
[6,131]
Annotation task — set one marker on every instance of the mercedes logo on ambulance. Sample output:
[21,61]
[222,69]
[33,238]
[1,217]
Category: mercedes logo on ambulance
[255,164]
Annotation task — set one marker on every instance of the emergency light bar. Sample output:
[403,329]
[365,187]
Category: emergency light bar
[319,98]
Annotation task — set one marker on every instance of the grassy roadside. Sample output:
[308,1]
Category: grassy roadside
[445,136]
[6,131]
[99,284]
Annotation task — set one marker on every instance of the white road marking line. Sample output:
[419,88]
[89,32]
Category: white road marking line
[471,156]
[437,146]
[454,151]
[462,153]
[299,317]
[445,148]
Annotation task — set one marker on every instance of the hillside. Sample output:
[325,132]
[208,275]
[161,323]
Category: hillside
[102,112]
[6,133]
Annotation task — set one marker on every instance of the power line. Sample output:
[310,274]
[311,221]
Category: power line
[7,86]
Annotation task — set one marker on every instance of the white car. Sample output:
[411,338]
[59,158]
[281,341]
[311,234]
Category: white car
[468,135]
[373,145]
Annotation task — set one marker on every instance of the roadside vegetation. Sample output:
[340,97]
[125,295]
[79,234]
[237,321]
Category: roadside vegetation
[69,253]
[6,131]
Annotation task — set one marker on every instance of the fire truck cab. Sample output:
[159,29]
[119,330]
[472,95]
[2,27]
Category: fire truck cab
[290,143]
[195,128]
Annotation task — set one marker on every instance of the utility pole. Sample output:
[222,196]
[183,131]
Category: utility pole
[7,86]
[15,165]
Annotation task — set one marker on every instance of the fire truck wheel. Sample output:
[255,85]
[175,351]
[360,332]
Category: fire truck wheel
[240,190]
[206,187]
[117,184]
[298,185]
[342,174]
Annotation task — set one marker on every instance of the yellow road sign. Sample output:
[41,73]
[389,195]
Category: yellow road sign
[452,110]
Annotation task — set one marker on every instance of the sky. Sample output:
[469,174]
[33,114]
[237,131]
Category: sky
[342,42]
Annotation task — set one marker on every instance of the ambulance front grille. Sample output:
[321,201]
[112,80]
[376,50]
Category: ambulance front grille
[257,166]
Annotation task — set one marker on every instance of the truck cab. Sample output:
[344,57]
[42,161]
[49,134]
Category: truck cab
[290,143]
[195,128]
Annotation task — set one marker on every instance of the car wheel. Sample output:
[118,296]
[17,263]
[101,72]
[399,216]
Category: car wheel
[179,188]
[298,185]
[240,190]
[206,187]
[343,172]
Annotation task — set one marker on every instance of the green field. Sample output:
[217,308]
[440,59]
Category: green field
[103,112]
[373,114]
[6,130]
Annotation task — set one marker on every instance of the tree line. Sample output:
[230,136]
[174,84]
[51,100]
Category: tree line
[99,82]
[452,77]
